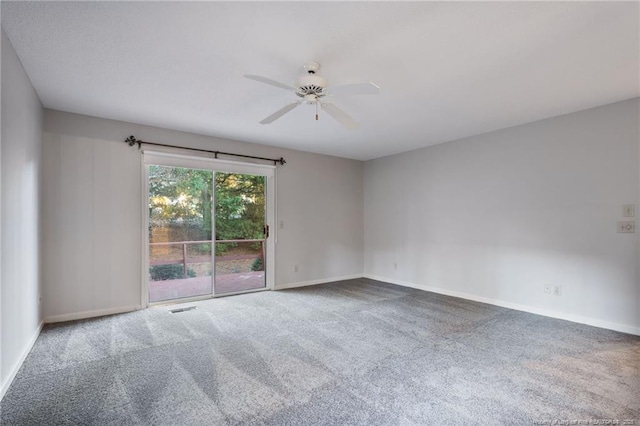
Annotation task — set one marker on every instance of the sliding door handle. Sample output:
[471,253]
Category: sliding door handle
[265,231]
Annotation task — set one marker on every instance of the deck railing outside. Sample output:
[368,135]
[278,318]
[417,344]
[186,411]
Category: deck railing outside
[185,256]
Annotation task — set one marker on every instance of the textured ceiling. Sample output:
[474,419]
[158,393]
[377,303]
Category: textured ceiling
[446,70]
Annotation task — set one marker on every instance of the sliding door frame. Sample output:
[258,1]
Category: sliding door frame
[214,165]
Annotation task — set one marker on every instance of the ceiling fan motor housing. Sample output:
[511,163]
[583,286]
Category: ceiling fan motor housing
[311,85]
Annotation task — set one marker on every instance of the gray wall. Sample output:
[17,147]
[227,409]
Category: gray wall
[92,203]
[497,216]
[20,148]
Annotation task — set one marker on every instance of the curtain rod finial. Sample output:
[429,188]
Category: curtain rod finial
[131,140]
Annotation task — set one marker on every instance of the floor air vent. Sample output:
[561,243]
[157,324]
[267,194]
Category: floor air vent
[188,308]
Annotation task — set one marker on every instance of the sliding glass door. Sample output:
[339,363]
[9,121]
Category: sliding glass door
[208,227]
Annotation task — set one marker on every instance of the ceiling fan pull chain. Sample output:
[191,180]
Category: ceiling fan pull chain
[316,110]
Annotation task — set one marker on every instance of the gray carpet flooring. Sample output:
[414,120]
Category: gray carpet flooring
[353,352]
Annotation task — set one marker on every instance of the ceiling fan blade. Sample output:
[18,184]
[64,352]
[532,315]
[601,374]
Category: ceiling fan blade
[266,80]
[340,116]
[279,113]
[355,89]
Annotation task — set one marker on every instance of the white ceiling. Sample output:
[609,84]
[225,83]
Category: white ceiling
[446,70]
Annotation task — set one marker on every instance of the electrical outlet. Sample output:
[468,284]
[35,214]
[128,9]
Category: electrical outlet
[629,210]
[626,227]
[557,290]
[281,224]
[295,268]
[548,288]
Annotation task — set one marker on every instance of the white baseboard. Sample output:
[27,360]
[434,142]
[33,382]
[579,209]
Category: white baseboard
[16,367]
[90,314]
[314,282]
[518,307]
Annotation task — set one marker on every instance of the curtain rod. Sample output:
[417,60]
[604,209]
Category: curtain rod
[131,140]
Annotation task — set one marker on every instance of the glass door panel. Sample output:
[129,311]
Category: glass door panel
[240,231]
[180,230]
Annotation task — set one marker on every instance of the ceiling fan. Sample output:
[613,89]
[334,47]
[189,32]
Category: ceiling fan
[314,90]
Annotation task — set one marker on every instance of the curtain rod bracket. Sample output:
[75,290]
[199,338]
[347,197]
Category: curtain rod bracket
[131,140]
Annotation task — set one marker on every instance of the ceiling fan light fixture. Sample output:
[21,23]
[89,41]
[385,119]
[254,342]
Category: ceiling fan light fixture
[311,99]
